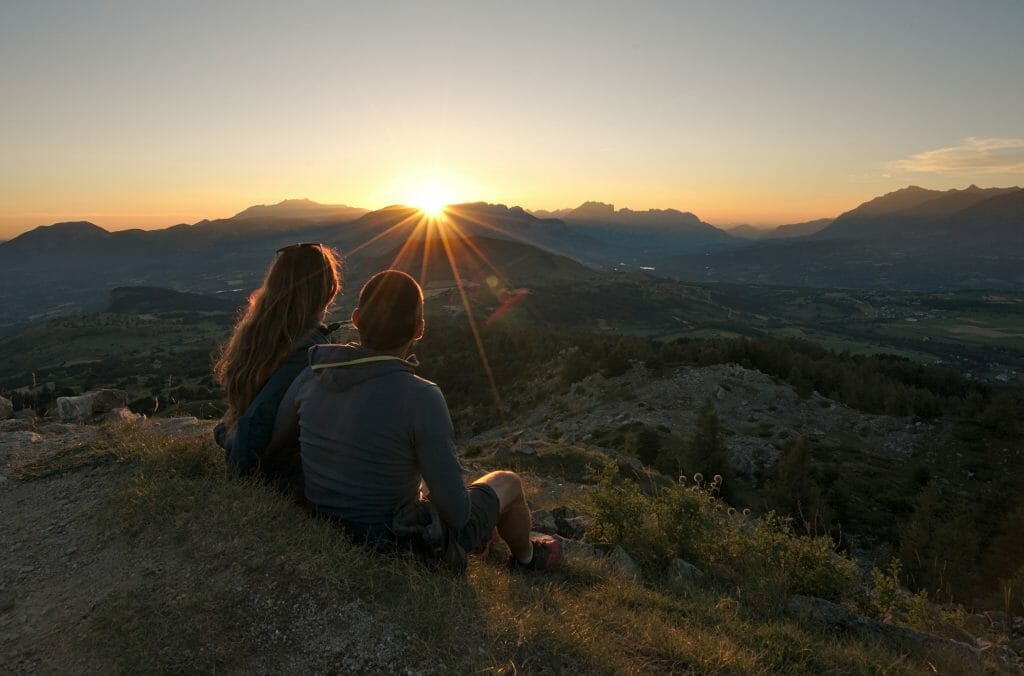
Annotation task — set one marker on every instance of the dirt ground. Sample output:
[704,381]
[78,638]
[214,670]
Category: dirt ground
[59,563]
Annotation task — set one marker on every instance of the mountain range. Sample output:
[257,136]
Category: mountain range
[788,230]
[912,238]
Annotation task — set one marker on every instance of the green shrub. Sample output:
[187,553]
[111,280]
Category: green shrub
[766,563]
[773,556]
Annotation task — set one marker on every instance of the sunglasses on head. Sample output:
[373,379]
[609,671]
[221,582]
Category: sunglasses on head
[300,245]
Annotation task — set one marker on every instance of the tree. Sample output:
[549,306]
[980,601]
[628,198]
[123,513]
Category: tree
[793,489]
[939,544]
[707,451]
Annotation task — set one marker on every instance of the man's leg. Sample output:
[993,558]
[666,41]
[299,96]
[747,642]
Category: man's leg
[514,522]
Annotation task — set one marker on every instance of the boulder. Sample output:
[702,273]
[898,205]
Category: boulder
[6,408]
[577,549]
[25,414]
[569,522]
[682,572]
[90,405]
[543,522]
[619,560]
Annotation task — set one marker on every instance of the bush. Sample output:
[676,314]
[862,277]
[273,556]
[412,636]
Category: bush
[767,563]
[800,565]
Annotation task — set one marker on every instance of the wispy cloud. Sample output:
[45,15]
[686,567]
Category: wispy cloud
[974,155]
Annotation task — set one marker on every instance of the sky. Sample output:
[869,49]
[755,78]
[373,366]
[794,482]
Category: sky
[146,114]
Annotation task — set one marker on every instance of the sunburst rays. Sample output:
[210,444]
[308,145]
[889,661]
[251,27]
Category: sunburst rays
[428,230]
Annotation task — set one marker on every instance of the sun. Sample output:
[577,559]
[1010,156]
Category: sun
[431,190]
[430,202]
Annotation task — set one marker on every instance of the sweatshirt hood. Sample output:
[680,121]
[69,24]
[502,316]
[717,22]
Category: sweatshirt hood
[340,367]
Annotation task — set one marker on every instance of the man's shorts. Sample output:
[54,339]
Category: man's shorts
[484,510]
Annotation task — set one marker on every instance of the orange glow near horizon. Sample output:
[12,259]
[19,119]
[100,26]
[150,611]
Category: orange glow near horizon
[762,208]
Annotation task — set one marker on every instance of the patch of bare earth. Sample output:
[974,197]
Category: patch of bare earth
[78,594]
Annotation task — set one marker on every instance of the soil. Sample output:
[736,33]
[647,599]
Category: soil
[58,563]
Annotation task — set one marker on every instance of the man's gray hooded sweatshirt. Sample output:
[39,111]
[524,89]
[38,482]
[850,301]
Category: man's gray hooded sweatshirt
[369,429]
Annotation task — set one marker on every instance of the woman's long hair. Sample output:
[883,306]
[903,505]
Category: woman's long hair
[299,286]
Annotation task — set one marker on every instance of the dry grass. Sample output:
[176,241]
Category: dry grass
[239,579]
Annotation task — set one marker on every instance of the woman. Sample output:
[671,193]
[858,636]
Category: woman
[267,350]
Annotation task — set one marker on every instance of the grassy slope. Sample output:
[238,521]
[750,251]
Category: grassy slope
[237,578]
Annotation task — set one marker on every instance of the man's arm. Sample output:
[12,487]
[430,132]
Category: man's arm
[434,440]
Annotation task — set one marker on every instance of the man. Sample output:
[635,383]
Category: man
[370,430]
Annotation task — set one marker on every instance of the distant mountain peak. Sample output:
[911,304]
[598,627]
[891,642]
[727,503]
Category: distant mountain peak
[911,211]
[73,225]
[303,208]
[592,209]
[76,229]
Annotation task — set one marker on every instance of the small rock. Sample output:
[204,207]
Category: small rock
[123,415]
[564,512]
[577,549]
[570,523]
[682,572]
[185,425]
[619,560]
[24,414]
[84,407]
[6,408]
[543,522]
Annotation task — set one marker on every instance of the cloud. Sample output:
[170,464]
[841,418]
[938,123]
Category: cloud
[975,155]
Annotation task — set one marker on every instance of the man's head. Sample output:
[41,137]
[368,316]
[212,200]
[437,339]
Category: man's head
[390,312]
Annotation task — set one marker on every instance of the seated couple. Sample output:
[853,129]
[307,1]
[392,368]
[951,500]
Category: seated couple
[353,425]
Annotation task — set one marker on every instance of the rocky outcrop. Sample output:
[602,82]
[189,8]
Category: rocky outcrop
[91,405]
[841,620]
[683,573]
[6,408]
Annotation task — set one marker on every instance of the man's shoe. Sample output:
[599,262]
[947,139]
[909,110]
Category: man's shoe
[547,556]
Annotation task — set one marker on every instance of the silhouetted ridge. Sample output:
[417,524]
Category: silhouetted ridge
[301,209]
[910,212]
